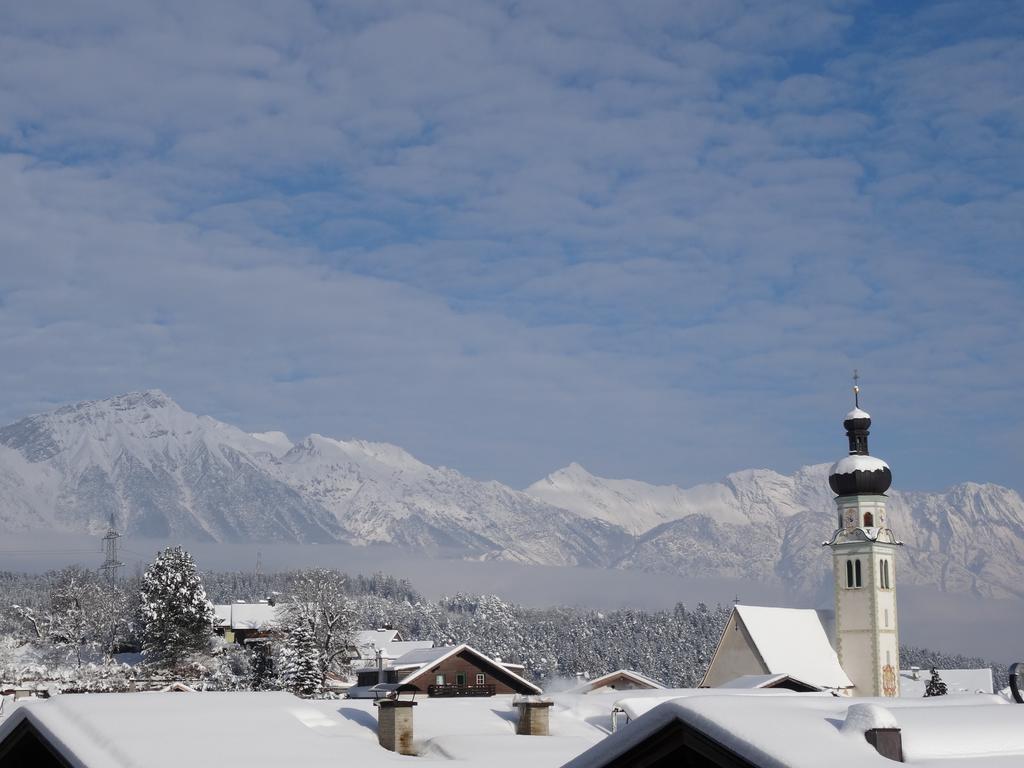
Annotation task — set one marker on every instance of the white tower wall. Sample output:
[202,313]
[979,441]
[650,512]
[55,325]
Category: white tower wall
[867,631]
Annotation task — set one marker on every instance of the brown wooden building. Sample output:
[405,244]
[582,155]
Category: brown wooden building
[460,670]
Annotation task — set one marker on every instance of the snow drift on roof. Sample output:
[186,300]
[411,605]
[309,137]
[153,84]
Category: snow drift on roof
[857,463]
[792,641]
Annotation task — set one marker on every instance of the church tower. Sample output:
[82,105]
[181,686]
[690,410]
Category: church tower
[863,562]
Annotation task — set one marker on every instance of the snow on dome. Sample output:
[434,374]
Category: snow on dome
[857,413]
[857,463]
[861,718]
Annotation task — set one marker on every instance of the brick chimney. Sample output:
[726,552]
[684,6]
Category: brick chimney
[533,716]
[394,725]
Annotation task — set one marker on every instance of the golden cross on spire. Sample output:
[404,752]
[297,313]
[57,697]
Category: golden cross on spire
[856,389]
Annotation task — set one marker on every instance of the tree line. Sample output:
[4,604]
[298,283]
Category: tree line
[86,633]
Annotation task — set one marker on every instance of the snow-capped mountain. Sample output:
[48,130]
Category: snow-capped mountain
[762,525]
[166,473]
[160,470]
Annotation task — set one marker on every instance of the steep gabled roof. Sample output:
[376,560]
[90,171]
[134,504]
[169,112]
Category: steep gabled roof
[421,660]
[641,681]
[752,682]
[791,641]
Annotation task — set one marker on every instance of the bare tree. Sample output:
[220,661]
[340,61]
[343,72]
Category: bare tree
[318,602]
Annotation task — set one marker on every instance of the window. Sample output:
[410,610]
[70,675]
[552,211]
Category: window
[856,574]
[869,520]
[460,678]
[887,619]
[480,678]
[438,679]
[849,574]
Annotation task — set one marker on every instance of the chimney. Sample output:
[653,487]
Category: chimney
[380,666]
[879,727]
[533,716]
[394,725]
[888,742]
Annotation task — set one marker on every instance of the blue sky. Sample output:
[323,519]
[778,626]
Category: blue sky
[651,237]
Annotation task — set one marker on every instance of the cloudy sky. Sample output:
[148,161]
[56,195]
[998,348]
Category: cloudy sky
[652,237]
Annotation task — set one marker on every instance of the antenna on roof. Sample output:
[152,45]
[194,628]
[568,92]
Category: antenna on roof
[856,389]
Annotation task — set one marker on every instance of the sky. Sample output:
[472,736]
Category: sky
[654,237]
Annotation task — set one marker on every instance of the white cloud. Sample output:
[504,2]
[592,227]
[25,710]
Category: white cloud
[510,236]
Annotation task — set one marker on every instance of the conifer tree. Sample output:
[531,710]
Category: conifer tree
[936,686]
[300,662]
[177,617]
[261,667]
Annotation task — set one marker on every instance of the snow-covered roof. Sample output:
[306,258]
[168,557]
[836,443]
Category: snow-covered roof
[374,637]
[958,681]
[416,661]
[857,462]
[271,729]
[750,682]
[806,730]
[857,413]
[368,642]
[246,615]
[253,616]
[420,656]
[793,641]
[596,683]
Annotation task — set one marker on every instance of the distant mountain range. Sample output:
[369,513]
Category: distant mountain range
[166,473]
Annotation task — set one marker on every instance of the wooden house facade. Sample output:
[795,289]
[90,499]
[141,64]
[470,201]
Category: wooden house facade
[461,671]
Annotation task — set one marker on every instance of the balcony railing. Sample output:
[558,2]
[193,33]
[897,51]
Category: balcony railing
[449,690]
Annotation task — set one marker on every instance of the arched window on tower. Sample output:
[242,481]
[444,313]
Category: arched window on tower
[869,520]
[856,574]
[849,574]
[883,574]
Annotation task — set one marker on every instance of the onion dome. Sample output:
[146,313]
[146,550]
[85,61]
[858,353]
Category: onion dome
[856,474]
[859,472]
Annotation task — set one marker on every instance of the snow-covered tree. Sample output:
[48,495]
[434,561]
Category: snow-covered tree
[316,600]
[262,676]
[936,685]
[299,662]
[177,617]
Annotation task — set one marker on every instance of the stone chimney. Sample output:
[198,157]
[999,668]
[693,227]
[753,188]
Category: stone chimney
[533,716]
[394,725]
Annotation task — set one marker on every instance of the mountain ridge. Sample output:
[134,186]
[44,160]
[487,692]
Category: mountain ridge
[165,472]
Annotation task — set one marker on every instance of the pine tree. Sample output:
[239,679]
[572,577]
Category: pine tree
[261,667]
[936,686]
[300,661]
[177,617]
